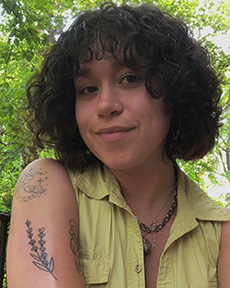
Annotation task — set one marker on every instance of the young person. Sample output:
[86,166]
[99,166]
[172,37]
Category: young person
[121,95]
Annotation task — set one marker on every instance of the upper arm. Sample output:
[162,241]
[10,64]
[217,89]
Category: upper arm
[42,247]
[224,257]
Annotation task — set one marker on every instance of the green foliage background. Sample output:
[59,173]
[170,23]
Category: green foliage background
[29,27]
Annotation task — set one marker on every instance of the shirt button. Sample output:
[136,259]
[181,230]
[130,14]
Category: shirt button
[138,268]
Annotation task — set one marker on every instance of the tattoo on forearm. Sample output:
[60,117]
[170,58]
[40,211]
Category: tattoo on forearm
[31,185]
[74,244]
[40,256]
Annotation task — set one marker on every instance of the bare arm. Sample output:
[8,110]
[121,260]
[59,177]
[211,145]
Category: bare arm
[43,241]
[224,257]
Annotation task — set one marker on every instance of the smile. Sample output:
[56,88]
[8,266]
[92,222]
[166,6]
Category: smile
[115,133]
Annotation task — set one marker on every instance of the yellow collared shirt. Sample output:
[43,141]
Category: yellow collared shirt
[110,241]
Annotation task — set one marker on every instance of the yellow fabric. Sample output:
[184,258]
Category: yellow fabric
[111,245]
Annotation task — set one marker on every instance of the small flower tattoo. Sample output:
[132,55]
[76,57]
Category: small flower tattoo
[40,256]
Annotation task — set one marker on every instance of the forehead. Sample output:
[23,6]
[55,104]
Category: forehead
[115,62]
[86,68]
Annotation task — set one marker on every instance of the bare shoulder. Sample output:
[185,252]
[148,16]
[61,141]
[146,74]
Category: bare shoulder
[225,233]
[43,188]
[224,257]
[47,164]
[227,210]
[44,220]
[37,177]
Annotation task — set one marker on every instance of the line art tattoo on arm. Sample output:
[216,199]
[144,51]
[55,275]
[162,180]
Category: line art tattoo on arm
[30,185]
[40,255]
[74,244]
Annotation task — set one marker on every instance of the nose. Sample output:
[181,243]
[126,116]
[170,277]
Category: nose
[109,103]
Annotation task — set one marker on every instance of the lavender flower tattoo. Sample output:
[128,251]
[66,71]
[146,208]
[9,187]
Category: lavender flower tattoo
[40,254]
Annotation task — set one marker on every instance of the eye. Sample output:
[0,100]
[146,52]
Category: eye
[88,90]
[129,79]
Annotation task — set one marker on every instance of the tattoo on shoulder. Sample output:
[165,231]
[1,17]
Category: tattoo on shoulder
[74,244]
[30,185]
[39,251]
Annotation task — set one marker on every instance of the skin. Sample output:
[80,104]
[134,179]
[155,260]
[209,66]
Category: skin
[115,115]
[44,204]
[51,216]
[119,135]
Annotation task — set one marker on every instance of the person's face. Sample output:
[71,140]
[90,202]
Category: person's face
[121,124]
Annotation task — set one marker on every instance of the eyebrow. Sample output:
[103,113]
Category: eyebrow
[86,71]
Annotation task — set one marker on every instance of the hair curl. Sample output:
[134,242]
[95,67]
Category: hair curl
[174,60]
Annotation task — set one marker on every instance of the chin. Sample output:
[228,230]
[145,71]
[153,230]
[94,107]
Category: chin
[116,164]
[121,165]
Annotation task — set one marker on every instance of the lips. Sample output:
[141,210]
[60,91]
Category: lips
[116,133]
[113,130]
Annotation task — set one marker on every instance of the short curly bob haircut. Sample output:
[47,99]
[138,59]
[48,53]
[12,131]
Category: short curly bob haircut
[173,59]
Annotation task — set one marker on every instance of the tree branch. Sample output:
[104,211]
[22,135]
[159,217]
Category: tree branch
[11,9]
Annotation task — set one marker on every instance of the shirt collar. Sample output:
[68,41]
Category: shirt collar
[192,198]
[98,182]
[193,203]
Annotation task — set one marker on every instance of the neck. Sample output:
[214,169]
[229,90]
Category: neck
[145,190]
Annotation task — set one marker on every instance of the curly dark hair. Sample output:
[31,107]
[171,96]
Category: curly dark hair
[174,60]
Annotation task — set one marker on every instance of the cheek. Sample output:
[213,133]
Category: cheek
[80,112]
[83,119]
